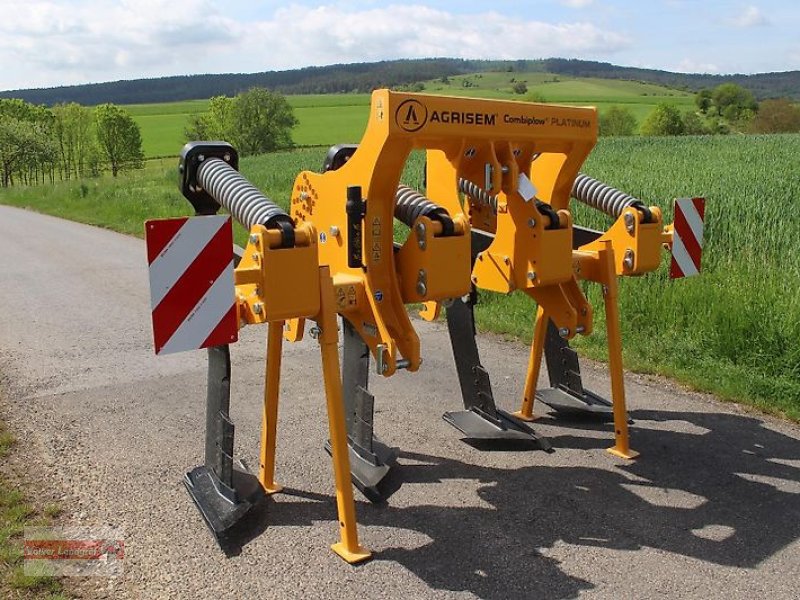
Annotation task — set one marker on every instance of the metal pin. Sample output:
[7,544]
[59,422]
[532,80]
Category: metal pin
[380,360]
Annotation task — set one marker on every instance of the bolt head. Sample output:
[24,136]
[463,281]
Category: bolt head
[258,308]
[563,332]
[628,260]
[630,222]
[531,275]
[253,238]
[531,223]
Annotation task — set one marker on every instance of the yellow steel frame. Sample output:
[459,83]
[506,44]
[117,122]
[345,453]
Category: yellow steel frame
[461,137]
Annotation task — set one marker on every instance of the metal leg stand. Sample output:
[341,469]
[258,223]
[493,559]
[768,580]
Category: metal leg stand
[348,547]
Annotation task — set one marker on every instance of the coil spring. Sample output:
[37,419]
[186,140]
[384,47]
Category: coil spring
[242,199]
[603,197]
[410,205]
[477,193]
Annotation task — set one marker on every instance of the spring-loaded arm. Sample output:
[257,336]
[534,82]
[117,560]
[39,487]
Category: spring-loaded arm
[209,179]
[411,205]
[481,196]
[605,198]
[477,193]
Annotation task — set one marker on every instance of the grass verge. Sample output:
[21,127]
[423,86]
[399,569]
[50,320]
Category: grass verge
[15,514]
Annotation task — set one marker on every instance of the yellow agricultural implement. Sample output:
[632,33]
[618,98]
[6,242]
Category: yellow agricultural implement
[495,216]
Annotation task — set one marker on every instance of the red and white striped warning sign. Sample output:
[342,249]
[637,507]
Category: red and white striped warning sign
[191,283]
[687,237]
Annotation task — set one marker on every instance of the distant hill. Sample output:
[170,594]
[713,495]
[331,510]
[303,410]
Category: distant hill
[764,85]
[364,77]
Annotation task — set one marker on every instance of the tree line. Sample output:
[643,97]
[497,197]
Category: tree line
[40,144]
[70,141]
[364,77]
[724,109]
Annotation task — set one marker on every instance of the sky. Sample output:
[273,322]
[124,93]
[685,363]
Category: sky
[66,42]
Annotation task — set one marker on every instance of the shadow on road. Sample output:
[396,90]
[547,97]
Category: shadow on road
[727,492]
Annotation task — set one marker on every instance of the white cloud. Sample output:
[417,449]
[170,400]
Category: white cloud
[576,3]
[45,43]
[751,16]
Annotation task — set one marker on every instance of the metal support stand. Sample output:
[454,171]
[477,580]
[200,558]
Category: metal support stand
[348,547]
[370,459]
[621,447]
[224,492]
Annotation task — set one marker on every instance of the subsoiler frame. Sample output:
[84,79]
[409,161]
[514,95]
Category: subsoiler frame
[490,142]
[360,275]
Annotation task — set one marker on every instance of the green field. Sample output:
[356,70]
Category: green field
[324,120]
[330,119]
[734,331]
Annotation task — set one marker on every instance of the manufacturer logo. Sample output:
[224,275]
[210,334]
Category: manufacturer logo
[411,115]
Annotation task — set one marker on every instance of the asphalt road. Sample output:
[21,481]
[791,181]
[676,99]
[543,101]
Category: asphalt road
[711,509]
